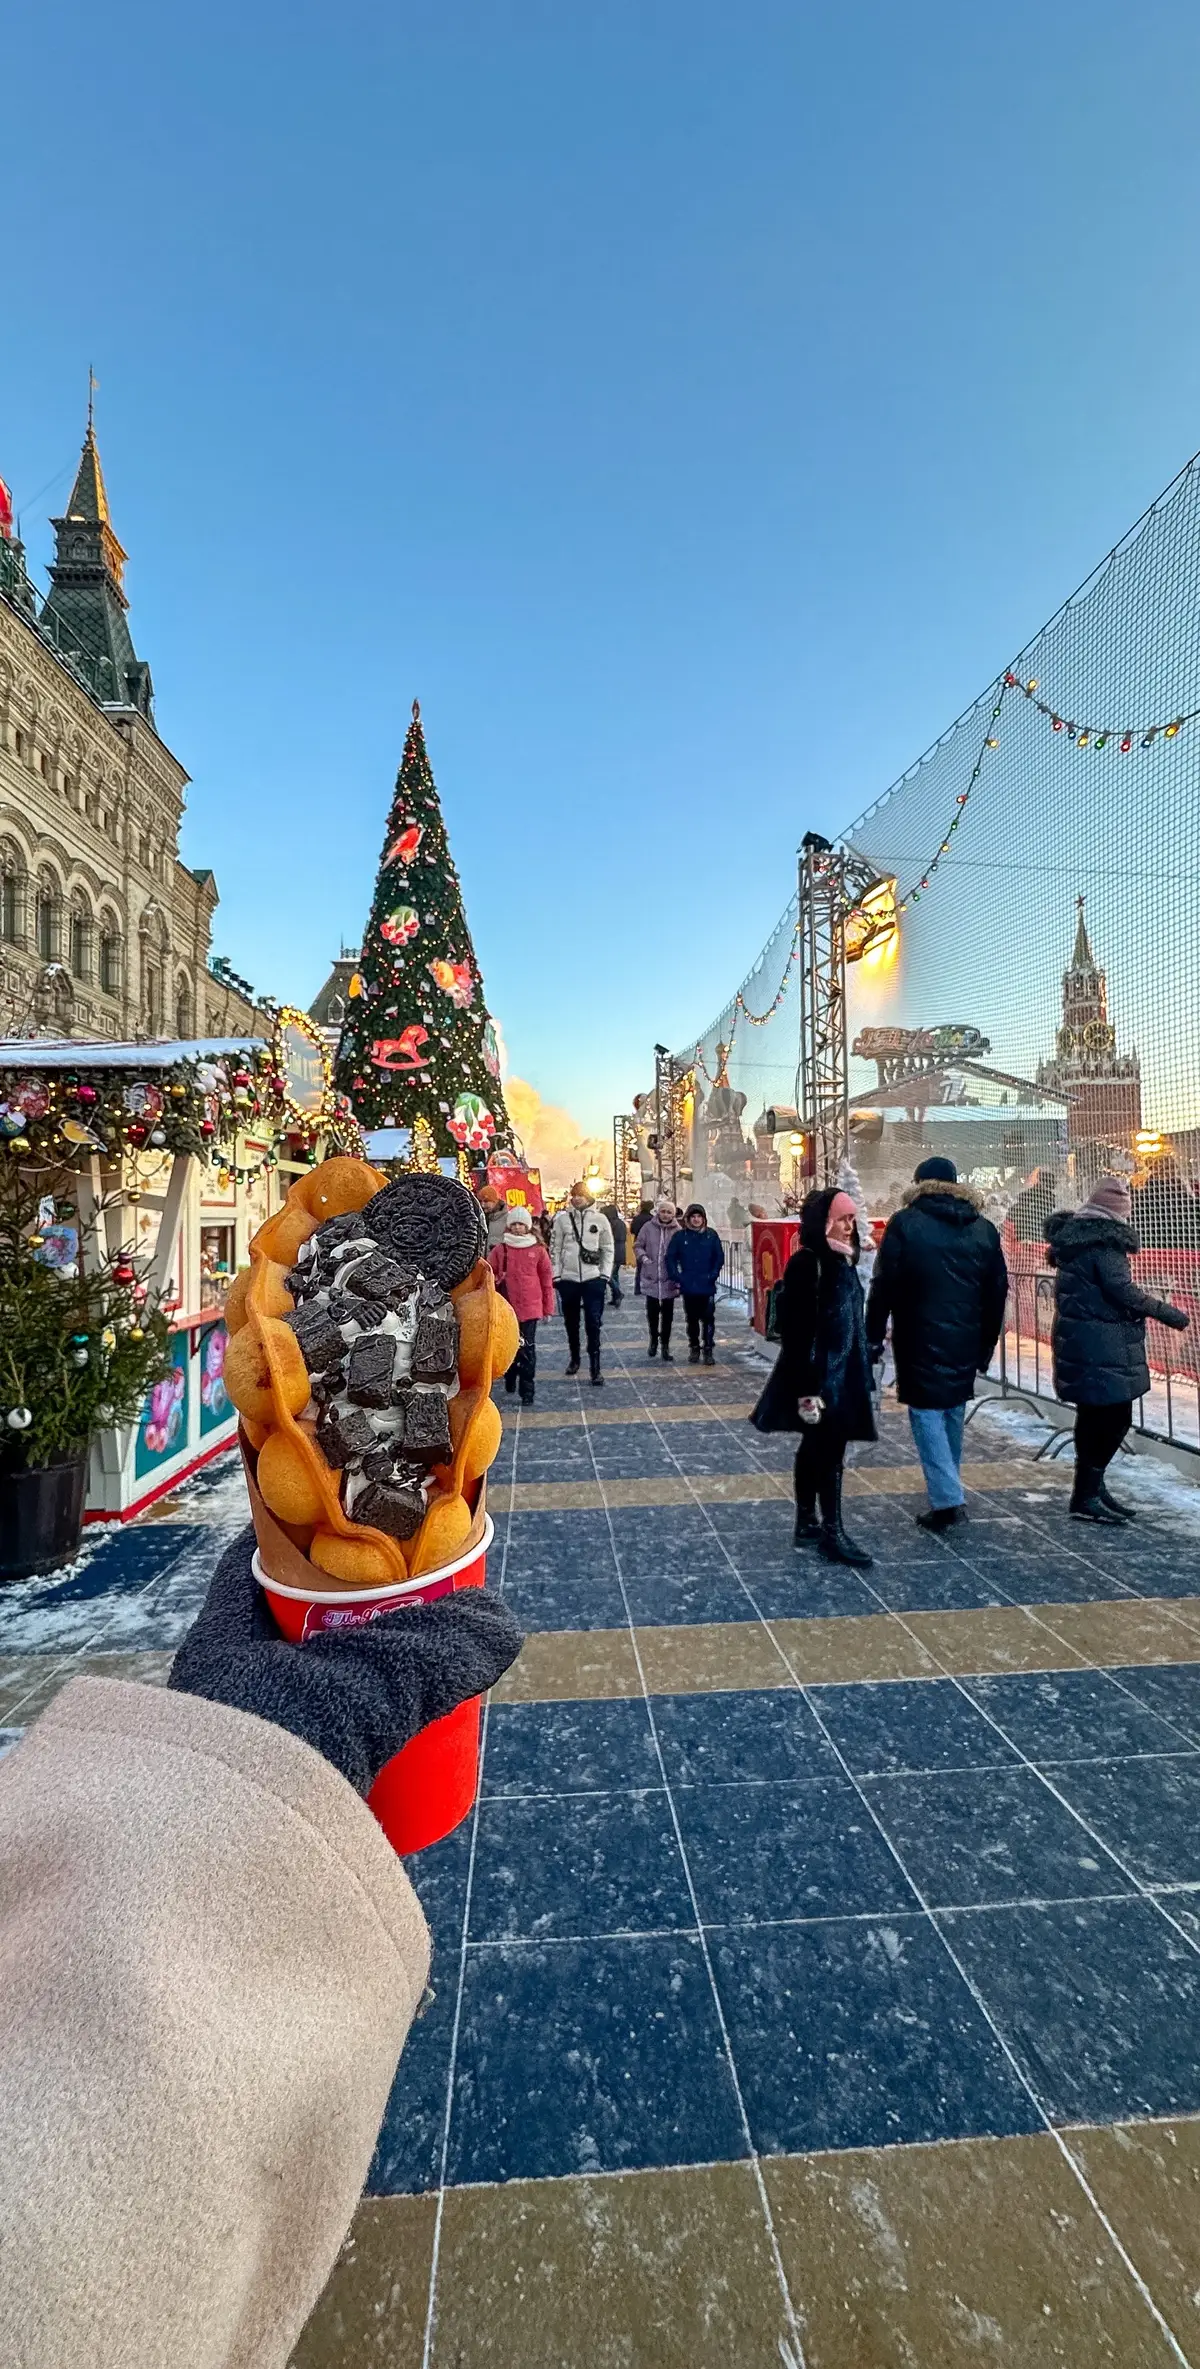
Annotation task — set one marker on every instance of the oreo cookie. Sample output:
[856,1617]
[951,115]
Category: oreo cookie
[343,1434]
[396,1506]
[369,1370]
[378,1278]
[319,1336]
[427,1427]
[435,1349]
[430,1222]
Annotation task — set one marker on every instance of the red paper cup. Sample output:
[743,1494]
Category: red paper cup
[426,1789]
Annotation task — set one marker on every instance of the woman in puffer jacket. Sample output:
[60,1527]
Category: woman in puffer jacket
[659,1289]
[520,1263]
[1099,1336]
[694,1261]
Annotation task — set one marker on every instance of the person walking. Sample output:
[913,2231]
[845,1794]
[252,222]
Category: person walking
[694,1261]
[645,1210]
[495,1211]
[1098,1339]
[522,1270]
[820,1385]
[657,1287]
[581,1257]
[940,1276]
[620,1234]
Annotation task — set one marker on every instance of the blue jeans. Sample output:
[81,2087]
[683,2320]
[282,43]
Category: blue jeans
[938,1437]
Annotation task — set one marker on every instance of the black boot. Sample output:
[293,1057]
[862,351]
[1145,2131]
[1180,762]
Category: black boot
[693,1357]
[709,1357]
[665,1355]
[834,1543]
[573,1368]
[594,1369]
[1087,1502]
[808,1526]
[510,1381]
[652,1351]
[1114,1504]
[942,1517]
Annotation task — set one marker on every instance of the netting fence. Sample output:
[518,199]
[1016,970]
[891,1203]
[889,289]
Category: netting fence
[1037,1013]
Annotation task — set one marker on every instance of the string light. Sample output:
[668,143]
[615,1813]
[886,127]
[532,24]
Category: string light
[1098,736]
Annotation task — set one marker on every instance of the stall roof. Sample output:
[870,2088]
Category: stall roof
[72,1052]
[388,1143]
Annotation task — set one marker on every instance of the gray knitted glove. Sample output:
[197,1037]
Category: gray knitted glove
[356,1695]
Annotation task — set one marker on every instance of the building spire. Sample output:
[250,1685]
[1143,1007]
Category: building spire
[84,613]
[1083,958]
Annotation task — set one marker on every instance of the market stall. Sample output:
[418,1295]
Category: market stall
[155,1163]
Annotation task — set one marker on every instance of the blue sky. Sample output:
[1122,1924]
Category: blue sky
[692,405]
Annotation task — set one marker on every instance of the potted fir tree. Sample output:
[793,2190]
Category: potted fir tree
[78,1352]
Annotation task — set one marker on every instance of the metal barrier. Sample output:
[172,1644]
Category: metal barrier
[1024,1368]
[734,1281]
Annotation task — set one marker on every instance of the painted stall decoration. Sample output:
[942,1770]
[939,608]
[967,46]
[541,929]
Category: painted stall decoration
[163,1429]
[215,1408]
[772,1241]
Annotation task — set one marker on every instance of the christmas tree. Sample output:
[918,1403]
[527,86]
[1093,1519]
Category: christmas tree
[417,1043]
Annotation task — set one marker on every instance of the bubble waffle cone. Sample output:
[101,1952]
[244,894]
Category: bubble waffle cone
[298,1495]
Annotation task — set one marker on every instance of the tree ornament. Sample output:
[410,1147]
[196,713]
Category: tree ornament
[400,926]
[124,1273]
[18,1144]
[79,1357]
[136,1333]
[157,1137]
[19,1418]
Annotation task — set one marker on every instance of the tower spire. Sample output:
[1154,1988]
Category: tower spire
[84,614]
[1083,958]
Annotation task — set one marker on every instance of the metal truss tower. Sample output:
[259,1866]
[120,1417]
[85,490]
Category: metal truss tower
[844,908]
[625,1154]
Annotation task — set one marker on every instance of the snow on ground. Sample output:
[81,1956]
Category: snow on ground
[1152,1486]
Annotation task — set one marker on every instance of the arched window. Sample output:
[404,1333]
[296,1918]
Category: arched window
[49,918]
[183,1009]
[12,896]
[81,939]
[337,1009]
[110,955]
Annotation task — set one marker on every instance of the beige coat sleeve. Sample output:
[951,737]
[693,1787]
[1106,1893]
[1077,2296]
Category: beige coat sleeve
[209,1961]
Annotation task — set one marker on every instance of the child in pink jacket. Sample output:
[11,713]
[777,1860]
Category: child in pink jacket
[522,1270]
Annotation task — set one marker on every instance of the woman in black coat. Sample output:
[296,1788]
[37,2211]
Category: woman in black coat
[821,1383]
[1099,1336]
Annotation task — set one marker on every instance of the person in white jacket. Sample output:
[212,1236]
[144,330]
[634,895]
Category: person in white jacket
[581,1261]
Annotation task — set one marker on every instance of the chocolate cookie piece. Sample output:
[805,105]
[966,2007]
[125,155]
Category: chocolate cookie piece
[398,1507]
[369,1370]
[319,1336]
[368,1315]
[378,1278]
[343,1433]
[435,1349]
[427,1427]
[431,1222]
[340,1229]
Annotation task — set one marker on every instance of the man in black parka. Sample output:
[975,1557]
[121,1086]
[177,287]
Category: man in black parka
[940,1276]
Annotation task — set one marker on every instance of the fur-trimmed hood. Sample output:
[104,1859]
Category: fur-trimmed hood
[957,1204]
[1071,1231]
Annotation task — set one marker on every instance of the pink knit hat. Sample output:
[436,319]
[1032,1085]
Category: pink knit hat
[1110,1197]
